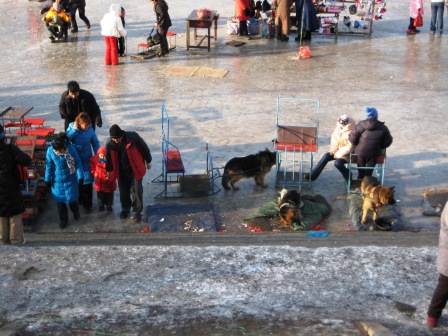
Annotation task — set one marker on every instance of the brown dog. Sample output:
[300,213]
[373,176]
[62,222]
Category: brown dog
[254,166]
[290,203]
[375,196]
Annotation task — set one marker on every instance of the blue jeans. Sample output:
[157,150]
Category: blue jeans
[437,9]
[338,163]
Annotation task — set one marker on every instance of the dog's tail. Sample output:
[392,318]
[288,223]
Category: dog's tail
[225,179]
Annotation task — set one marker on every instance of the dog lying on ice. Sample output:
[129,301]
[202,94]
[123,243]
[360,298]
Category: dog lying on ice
[254,166]
[374,196]
[290,203]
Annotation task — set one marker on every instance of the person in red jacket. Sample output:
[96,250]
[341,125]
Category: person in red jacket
[242,11]
[129,155]
[104,185]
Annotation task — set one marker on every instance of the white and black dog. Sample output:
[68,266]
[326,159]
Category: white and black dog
[290,204]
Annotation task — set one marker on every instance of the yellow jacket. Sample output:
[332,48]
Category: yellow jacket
[52,13]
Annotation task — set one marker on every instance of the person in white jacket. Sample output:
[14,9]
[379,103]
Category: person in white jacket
[340,148]
[111,29]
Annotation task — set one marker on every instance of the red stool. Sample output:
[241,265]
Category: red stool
[170,45]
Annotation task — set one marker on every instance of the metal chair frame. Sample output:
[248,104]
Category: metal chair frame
[379,170]
[295,146]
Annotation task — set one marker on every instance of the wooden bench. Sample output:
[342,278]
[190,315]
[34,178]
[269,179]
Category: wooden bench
[41,132]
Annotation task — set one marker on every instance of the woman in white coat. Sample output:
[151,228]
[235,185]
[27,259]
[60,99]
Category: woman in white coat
[111,29]
[440,295]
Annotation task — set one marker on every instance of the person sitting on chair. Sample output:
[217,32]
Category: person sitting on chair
[371,138]
[57,22]
[340,149]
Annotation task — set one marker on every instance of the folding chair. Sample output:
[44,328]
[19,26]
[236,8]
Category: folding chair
[378,170]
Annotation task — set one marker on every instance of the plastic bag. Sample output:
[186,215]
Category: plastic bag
[418,21]
[304,52]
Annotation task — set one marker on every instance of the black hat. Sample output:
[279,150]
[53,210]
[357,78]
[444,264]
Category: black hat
[115,131]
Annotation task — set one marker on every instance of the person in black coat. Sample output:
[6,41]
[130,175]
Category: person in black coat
[76,100]
[163,22]
[78,5]
[11,202]
[129,155]
[371,137]
[305,9]
[121,42]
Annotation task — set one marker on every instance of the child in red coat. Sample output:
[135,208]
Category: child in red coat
[104,186]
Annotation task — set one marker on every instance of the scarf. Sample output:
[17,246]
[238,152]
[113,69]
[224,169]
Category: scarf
[69,159]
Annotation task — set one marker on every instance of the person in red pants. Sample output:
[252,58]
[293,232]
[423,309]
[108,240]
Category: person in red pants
[111,29]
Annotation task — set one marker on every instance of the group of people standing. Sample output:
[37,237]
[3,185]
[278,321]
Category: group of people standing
[416,10]
[307,21]
[112,29]
[75,162]
[61,13]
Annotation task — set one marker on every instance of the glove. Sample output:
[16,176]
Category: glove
[99,125]
[148,165]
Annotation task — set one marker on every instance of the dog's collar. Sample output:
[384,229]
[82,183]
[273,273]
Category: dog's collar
[372,197]
[289,203]
[281,206]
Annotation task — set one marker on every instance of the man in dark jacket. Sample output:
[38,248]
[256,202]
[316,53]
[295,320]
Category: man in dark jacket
[11,202]
[163,21]
[371,137]
[128,154]
[76,100]
[79,5]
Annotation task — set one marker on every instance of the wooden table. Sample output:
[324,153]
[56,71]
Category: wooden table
[193,21]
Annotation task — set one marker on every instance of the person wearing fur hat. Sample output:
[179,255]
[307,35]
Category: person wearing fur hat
[371,138]
[129,155]
[11,202]
[340,148]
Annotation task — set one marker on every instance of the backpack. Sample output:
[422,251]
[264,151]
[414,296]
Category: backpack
[153,40]
[21,172]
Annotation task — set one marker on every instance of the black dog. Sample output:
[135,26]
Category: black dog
[254,166]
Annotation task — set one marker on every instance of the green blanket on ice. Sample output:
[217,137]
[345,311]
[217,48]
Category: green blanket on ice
[314,209]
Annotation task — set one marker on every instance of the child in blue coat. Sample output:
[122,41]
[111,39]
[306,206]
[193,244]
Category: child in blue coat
[62,171]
